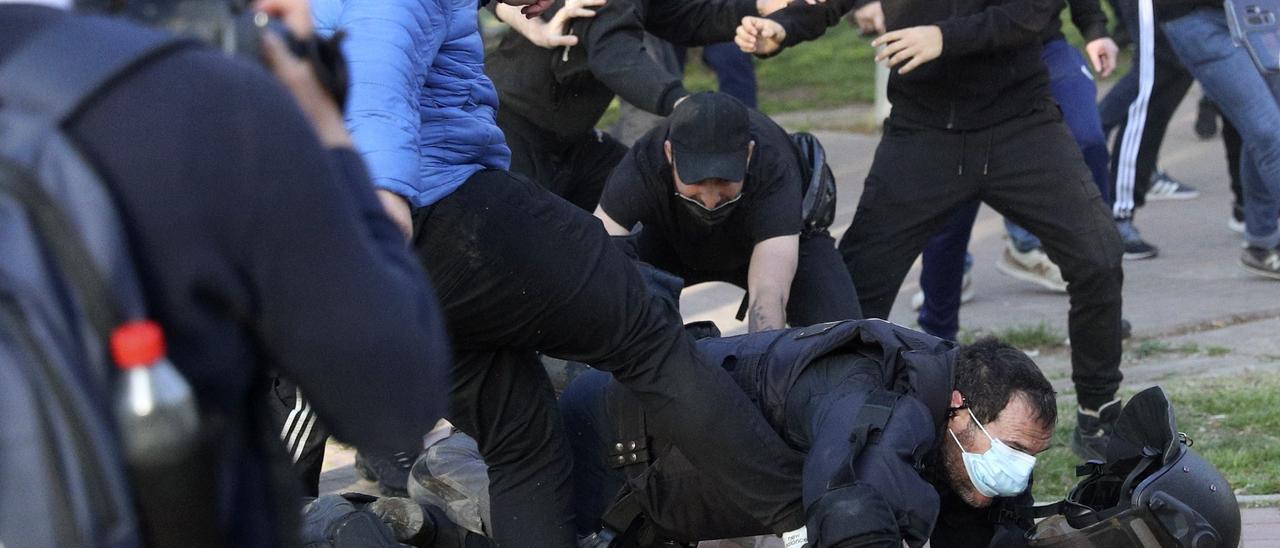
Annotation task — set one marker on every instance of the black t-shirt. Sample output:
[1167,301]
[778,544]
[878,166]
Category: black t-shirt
[642,190]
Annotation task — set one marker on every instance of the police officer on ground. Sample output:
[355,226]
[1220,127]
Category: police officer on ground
[718,189]
[907,438]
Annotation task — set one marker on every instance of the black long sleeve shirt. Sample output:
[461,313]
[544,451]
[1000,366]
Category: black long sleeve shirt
[258,249]
[990,68]
[1086,15]
[567,90]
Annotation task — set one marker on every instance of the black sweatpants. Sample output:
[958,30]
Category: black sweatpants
[821,290]
[574,169]
[518,270]
[303,436]
[1030,170]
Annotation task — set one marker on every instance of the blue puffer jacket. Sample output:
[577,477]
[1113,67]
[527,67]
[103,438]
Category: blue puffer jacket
[421,109]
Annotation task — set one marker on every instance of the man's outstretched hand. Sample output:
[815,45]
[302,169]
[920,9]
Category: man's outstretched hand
[530,8]
[913,46]
[760,36]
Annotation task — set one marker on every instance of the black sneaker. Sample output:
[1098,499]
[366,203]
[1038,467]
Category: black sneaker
[1261,261]
[390,472]
[1165,187]
[1093,429]
[1135,248]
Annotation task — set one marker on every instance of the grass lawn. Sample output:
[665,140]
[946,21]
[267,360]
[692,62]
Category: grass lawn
[1234,422]
[832,71]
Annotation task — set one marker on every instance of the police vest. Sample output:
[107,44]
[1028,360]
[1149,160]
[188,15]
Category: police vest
[767,365]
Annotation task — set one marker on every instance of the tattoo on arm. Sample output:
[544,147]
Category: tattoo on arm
[766,313]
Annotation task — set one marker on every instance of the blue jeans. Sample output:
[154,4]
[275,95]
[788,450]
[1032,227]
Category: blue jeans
[942,274]
[1246,98]
[1076,92]
[943,270]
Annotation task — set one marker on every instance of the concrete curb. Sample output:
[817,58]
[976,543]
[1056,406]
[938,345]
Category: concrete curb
[1258,501]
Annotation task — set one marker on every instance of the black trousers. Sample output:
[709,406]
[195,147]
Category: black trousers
[821,290]
[1030,170]
[518,270]
[304,437]
[573,169]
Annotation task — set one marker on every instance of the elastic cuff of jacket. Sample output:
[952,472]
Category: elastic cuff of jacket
[953,40]
[672,95]
[780,17]
[1095,32]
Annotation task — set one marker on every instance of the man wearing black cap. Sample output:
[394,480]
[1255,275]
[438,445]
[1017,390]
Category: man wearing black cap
[551,99]
[717,188]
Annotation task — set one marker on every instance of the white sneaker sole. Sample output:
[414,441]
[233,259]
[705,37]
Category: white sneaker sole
[1013,271]
[1176,196]
[966,294]
[1259,271]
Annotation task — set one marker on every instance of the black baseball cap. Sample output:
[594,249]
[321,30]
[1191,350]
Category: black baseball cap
[709,134]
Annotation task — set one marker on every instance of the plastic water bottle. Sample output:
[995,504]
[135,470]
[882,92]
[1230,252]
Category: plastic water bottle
[155,409]
[159,426]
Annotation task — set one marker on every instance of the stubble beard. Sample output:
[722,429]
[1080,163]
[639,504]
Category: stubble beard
[958,476]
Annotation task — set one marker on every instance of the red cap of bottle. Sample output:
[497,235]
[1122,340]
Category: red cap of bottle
[137,344]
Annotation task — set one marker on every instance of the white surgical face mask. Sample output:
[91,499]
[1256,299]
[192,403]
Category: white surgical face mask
[1000,472]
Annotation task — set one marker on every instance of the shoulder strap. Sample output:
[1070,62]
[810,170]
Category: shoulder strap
[51,74]
[67,248]
[868,424]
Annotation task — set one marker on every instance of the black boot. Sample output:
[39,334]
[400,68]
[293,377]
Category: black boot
[1093,429]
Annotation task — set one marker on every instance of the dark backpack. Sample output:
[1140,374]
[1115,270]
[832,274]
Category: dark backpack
[66,281]
[818,207]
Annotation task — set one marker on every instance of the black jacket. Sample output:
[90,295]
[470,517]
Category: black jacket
[567,90]
[896,490]
[989,70]
[1086,15]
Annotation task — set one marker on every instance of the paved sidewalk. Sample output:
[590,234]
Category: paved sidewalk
[1261,527]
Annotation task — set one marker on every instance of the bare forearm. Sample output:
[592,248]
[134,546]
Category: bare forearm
[767,311]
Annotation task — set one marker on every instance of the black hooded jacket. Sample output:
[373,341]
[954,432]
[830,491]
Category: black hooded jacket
[990,68]
[566,90]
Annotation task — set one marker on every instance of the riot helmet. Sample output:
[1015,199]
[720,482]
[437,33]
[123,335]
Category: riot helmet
[1152,491]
